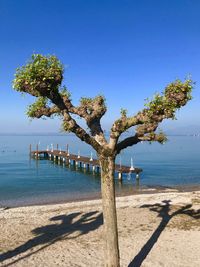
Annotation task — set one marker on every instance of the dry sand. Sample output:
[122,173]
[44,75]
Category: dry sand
[154,230]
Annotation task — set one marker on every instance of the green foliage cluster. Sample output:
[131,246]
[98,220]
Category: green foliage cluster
[64,92]
[37,105]
[100,99]
[179,93]
[123,112]
[39,76]
[176,95]
[93,103]
[86,101]
[161,137]
[66,126]
[89,100]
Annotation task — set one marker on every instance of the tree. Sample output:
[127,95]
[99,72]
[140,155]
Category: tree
[42,78]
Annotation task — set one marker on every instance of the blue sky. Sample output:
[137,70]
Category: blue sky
[125,50]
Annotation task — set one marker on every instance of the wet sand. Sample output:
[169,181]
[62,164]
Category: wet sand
[161,229]
[127,191]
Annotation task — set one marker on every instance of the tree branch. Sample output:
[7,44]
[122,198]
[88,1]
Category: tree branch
[39,109]
[45,111]
[70,125]
[92,110]
[133,140]
[129,141]
[42,78]
[159,108]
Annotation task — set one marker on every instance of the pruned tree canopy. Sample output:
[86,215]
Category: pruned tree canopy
[42,77]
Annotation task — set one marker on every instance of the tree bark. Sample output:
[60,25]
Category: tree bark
[109,211]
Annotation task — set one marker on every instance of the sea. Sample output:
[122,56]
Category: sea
[26,181]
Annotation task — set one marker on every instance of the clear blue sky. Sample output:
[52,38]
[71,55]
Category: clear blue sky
[126,50]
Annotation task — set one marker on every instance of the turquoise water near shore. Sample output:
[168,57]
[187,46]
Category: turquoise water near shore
[24,181]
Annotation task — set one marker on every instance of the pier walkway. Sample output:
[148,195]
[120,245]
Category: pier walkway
[81,161]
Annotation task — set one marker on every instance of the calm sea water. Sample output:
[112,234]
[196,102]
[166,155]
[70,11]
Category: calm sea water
[24,181]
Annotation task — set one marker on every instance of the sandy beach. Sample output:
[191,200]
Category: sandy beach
[161,229]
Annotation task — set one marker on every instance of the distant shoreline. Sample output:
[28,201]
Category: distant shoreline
[71,134]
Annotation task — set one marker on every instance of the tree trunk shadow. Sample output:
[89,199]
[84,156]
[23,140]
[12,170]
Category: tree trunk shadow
[163,211]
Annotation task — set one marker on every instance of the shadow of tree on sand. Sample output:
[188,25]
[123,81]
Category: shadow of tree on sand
[164,211]
[49,234]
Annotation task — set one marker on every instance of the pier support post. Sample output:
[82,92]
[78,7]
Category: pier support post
[137,180]
[120,176]
[37,151]
[137,176]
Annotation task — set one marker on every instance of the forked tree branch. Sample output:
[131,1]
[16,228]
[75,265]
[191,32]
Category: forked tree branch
[92,110]
[70,125]
[161,107]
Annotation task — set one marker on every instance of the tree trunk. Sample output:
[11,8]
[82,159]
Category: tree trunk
[109,211]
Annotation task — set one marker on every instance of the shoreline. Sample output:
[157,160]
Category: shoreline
[97,196]
[145,190]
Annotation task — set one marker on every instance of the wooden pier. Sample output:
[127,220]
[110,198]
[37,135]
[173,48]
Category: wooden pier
[81,161]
